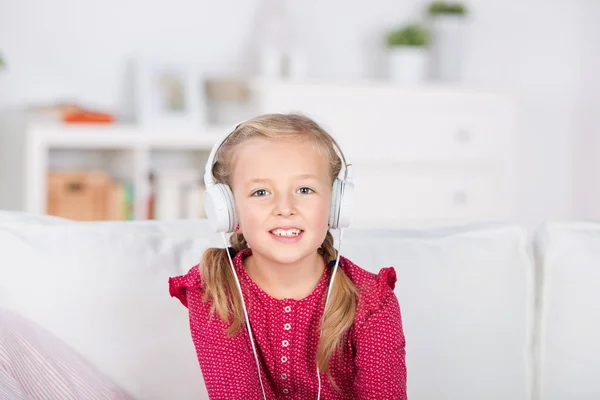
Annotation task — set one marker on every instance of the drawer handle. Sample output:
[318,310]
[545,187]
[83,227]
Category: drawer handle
[460,198]
[463,136]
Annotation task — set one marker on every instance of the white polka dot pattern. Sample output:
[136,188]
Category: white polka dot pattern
[371,364]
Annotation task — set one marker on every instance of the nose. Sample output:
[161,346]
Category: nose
[285,205]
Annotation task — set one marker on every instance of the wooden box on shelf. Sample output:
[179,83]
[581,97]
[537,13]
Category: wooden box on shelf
[82,195]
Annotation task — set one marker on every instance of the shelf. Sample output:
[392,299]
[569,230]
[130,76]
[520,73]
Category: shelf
[129,153]
[123,136]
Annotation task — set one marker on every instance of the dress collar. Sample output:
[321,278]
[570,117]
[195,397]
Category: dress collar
[243,276]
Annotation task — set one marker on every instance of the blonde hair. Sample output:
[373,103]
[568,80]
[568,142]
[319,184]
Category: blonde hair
[219,282]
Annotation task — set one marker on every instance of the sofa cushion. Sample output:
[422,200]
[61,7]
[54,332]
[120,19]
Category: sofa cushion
[569,309]
[466,296]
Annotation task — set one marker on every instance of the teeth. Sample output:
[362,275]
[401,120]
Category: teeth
[286,232]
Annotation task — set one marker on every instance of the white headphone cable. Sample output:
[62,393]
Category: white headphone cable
[246,316]
[335,268]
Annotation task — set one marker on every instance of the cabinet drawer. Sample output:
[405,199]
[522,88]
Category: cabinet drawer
[389,124]
[391,197]
[425,136]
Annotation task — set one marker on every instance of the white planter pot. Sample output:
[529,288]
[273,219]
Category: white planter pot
[407,64]
[447,47]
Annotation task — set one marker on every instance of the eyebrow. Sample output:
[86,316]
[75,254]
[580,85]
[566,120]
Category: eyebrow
[264,180]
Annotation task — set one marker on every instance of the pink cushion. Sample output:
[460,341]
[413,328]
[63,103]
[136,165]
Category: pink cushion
[36,365]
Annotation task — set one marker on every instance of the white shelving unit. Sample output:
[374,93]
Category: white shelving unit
[125,151]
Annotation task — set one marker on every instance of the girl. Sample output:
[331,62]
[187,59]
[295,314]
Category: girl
[300,340]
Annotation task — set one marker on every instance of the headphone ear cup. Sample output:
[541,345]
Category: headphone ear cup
[232,212]
[220,208]
[228,195]
[346,204]
[335,204]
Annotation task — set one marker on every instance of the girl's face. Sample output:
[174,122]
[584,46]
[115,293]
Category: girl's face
[282,192]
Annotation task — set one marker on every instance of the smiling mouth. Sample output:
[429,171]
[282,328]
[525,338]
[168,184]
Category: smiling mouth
[286,232]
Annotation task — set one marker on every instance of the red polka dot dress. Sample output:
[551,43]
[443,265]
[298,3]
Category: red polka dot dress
[371,364]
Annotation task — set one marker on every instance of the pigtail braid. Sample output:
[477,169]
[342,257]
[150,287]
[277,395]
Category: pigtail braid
[340,312]
[220,285]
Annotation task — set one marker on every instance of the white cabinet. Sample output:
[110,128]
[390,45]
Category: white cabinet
[419,154]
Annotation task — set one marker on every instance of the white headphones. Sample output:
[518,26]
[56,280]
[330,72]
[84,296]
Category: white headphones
[220,206]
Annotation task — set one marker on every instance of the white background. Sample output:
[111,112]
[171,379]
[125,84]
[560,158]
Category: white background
[546,50]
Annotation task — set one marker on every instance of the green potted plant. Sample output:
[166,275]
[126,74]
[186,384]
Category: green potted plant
[447,24]
[407,53]
[2,63]
[442,8]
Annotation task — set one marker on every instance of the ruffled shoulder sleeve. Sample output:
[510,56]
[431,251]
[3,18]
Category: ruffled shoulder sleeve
[374,292]
[379,340]
[179,286]
[387,279]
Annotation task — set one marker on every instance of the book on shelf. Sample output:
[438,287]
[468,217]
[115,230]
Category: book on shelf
[176,194]
[123,201]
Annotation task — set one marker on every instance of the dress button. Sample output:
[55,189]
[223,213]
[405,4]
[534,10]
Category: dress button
[285,391]
[283,376]
[285,343]
[287,327]
[283,359]
[287,309]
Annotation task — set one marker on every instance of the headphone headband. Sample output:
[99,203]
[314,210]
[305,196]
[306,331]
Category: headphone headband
[209,179]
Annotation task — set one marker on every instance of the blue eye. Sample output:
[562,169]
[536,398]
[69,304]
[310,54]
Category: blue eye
[306,190]
[260,193]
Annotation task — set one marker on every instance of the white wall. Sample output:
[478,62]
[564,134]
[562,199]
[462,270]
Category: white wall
[77,49]
[587,176]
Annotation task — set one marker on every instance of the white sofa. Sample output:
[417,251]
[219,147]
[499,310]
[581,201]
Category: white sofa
[490,311]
